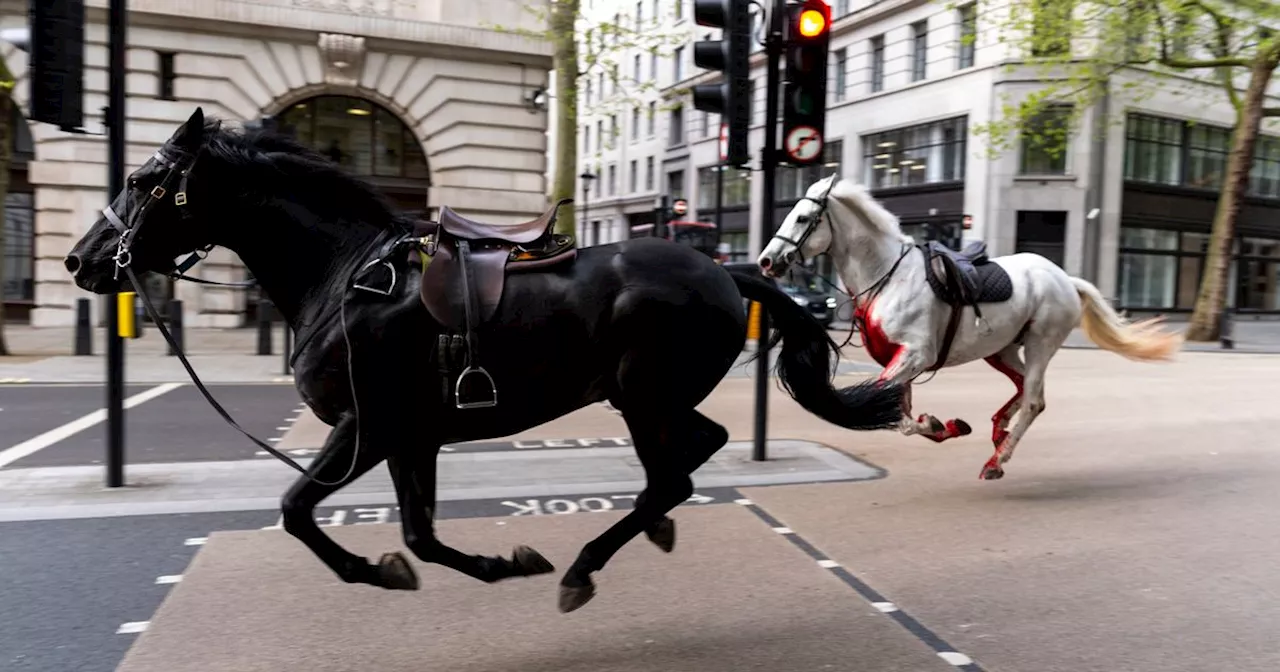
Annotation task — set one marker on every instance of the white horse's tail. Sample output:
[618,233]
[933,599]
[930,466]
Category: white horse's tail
[1143,340]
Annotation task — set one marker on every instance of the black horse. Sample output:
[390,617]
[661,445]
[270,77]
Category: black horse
[648,325]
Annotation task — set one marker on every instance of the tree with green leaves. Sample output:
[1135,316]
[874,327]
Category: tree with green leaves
[7,83]
[585,49]
[1083,48]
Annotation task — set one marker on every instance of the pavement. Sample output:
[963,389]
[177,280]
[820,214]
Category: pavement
[1131,532]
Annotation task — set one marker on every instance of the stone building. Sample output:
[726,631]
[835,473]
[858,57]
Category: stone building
[434,102]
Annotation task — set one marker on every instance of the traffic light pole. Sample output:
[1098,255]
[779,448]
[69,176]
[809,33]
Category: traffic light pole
[115,116]
[768,167]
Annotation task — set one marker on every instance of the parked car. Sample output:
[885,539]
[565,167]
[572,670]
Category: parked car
[820,302]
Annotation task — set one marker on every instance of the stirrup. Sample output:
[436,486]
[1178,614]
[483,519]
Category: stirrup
[982,326]
[457,389]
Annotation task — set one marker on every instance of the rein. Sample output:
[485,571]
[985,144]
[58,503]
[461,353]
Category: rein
[129,227]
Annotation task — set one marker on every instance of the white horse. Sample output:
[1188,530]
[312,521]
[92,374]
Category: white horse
[1021,300]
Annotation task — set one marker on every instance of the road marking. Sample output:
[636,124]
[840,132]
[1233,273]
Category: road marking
[33,445]
[195,541]
[928,637]
[168,579]
[283,429]
[782,530]
[14,381]
[132,627]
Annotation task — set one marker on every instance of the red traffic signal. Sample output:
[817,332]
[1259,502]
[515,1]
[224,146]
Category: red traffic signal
[813,20]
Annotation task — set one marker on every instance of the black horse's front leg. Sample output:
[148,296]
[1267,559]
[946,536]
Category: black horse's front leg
[298,509]
[414,474]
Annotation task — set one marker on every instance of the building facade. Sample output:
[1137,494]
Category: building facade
[434,102]
[1129,205]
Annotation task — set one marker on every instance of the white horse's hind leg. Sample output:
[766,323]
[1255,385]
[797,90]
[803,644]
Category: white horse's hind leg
[1008,362]
[1040,348]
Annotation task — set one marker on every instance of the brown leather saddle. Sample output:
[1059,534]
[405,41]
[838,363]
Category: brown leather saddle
[465,268]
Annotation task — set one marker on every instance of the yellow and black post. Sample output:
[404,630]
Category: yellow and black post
[127,315]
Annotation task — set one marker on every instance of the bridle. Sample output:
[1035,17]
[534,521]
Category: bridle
[811,221]
[128,227]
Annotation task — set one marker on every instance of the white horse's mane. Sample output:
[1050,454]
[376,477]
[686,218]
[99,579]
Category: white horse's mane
[858,199]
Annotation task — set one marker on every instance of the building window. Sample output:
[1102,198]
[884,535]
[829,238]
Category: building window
[1207,148]
[840,65]
[877,63]
[653,66]
[1046,142]
[706,124]
[1051,27]
[635,124]
[586,139]
[639,16]
[925,154]
[586,92]
[737,188]
[675,127]
[633,177]
[635,69]
[600,80]
[1264,179]
[613,130]
[677,63]
[362,137]
[601,143]
[793,181]
[675,184]
[1148,268]
[19,247]
[1153,150]
[1161,270]
[679,12]
[919,49]
[968,20]
[166,76]
[649,175]
[651,123]
[842,8]
[613,179]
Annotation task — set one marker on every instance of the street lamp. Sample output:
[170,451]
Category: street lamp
[586,178]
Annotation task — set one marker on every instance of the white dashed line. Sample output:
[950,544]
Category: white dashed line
[195,541]
[828,564]
[132,627]
[885,607]
[744,502]
[168,579]
[783,530]
[955,658]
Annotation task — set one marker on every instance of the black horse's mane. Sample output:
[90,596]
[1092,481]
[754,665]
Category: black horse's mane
[269,155]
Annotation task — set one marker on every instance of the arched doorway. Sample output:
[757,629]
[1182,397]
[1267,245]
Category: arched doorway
[19,286]
[369,141]
[366,139]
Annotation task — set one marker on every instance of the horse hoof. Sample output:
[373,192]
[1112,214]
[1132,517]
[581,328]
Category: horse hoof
[663,535]
[529,562]
[395,573]
[573,597]
[960,428]
[991,473]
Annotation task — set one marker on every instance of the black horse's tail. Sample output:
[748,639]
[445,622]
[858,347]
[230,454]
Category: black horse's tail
[805,365]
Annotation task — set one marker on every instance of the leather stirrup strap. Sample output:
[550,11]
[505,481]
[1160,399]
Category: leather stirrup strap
[949,337]
[471,309]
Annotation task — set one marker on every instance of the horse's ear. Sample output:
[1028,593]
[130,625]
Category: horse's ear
[193,130]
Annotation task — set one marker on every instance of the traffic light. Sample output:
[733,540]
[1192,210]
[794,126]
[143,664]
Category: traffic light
[731,98]
[57,63]
[804,110]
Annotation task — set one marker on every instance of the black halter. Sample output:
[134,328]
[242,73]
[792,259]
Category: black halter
[180,170]
[810,221]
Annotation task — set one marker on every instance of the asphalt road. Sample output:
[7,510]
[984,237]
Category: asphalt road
[178,426]
[69,586]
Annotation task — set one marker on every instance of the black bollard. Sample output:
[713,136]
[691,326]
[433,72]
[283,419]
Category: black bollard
[264,327]
[1225,338]
[84,328]
[175,326]
[288,346]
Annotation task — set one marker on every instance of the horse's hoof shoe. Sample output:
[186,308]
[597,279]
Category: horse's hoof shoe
[396,573]
[992,473]
[961,428]
[530,562]
[573,597]
[663,535]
